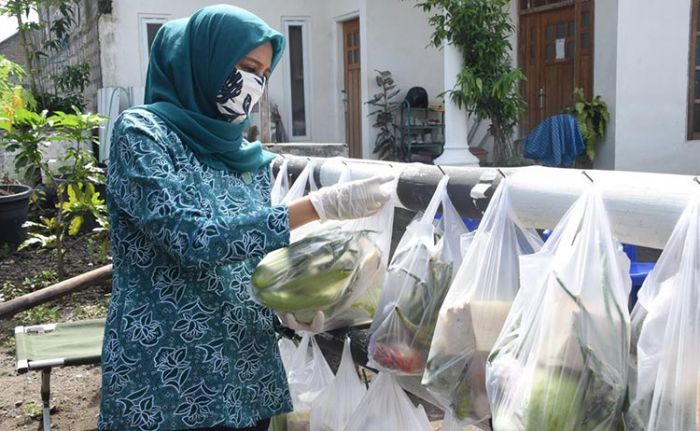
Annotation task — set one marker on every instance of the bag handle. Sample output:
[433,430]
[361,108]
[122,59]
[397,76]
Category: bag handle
[435,201]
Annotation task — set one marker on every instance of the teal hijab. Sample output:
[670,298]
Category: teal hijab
[190,60]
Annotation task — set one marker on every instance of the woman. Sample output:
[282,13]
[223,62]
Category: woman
[185,346]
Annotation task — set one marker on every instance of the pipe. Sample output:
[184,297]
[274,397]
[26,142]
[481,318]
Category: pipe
[643,207]
[55,291]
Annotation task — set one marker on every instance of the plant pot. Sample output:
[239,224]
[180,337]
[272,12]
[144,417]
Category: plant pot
[13,212]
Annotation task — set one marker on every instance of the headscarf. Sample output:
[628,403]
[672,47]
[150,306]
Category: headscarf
[189,62]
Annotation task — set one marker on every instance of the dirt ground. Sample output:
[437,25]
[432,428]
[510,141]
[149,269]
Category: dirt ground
[75,391]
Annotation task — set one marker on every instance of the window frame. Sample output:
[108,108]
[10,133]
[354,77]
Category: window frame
[144,20]
[692,68]
[303,22]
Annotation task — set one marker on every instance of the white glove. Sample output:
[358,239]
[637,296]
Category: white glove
[354,199]
[291,322]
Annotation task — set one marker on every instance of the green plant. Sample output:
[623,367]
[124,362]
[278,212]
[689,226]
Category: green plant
[50,232]
[32,410]
[386,145]
[41,314]
[55,33]
[488,84]
[28,133]
[592,117]
[12,95]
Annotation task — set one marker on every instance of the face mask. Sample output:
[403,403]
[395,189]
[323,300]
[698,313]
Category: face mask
[240,92]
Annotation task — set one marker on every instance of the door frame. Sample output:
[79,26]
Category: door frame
[343,98]
[521,47]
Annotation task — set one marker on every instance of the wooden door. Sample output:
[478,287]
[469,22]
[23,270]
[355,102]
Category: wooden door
[352,70]
[556,55]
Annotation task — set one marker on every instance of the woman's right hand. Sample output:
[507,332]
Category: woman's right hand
[351,200]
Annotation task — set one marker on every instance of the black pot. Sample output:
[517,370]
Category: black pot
[13,213]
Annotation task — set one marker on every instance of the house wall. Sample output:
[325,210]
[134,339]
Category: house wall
[652,88]
[400,47]
[11,48]
[605,75]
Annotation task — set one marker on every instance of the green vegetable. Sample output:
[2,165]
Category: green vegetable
[316,273]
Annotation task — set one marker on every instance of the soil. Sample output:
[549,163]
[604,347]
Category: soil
[75,391]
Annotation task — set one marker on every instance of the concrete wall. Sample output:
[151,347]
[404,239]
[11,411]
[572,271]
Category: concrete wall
[82,46]
[652,88]
[11,48]
[605,75]
[400,48]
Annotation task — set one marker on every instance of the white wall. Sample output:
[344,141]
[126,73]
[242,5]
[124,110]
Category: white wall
[396,38]
[120,43]
[652,81]
[605,76]
[393,36]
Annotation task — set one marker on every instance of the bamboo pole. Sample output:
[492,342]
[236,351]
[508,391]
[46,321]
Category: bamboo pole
[55,291]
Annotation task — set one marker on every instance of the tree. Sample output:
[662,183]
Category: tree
[487,87]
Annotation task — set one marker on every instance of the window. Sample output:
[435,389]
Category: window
[149,29]
[298,75]
[694,74]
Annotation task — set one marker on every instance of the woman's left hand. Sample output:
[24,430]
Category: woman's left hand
[316,325]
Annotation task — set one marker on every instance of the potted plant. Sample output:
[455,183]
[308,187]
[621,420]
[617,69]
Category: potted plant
[592,117]
[14,208]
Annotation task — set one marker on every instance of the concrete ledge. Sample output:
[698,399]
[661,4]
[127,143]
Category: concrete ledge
[309,149]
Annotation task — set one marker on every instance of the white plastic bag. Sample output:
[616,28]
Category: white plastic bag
[333,407]
[334,267]
[560,362]
[415,285]
[281,184]
[386,407]
[287,351]
[309,373]
[664,389]
[474,310]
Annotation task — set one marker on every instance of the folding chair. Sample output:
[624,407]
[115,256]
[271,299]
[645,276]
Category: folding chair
[42,347]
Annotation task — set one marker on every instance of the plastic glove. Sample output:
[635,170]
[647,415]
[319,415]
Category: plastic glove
[355,199]
[291,322]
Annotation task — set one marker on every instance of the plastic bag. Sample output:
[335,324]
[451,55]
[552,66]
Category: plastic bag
[416,283]
[287,351]
[334,267]
[386,407]
[666,321]
[308,375]
[474,310]
[560,362]
[333,407]
[281,184]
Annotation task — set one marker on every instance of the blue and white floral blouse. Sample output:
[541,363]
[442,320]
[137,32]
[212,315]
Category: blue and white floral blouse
[185,346]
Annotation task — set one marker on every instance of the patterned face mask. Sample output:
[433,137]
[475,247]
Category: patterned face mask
[240,92]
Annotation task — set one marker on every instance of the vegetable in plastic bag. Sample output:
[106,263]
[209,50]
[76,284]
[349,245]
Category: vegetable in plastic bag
[333,407]
[560,362]
[334,267]
[386,407]
[415,285]
[666,321]
[474,310]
